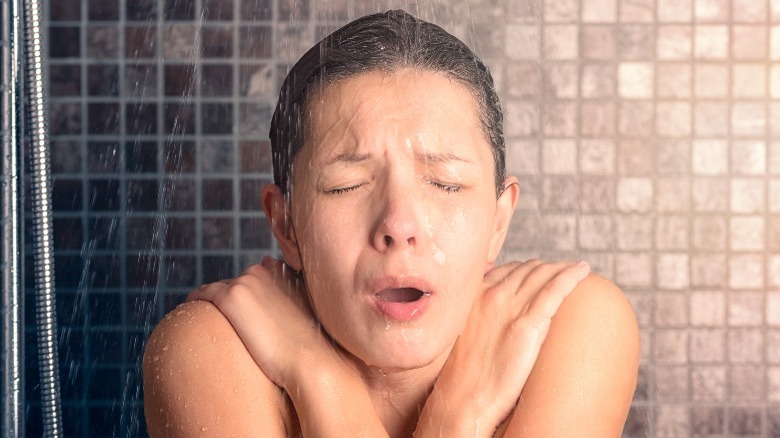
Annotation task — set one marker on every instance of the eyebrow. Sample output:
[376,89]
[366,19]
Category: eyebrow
[348,157]
[433,157]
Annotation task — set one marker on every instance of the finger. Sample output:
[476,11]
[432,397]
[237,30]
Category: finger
[530,282]
[208,292]
[549,298]
[510,272]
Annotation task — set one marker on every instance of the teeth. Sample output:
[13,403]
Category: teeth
[400,295]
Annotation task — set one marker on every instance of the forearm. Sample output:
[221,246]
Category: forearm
[332,402]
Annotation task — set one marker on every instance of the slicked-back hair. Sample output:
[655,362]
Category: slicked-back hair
[384,42]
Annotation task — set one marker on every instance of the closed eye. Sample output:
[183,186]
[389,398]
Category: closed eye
[447,188]
[343,190]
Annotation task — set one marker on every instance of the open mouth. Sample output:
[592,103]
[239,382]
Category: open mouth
[400,295]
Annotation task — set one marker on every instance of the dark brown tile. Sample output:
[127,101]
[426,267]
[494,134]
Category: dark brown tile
[141,10]
[179,80]
[141,157]
[102,157]
[141,80]
[256,10]
[104,232]
[180,233]
[143,270]
[179,118]
[293,10]
[217,233]
[744,420]
[103,80]
[103,118]
[255,42]
[140,41]
[68,233]
[251,195]
[216,268]
[217,156]
[102,42]
[707,420]
[217,118]
[179,195]
[103,195]
[65,80]
[179,10]
[103,10]
[217,194]
[255,156]
[65,156]
[141,233]
[64,42]
[216,42]
[255,233]
[66,195]
[104,271]
[142,195]
[65,10]
[141,118]
[216,80]
[64,118]
[214,10]
[180,271]
[179,157]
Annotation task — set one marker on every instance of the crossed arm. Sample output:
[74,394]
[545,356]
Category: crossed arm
[201,377]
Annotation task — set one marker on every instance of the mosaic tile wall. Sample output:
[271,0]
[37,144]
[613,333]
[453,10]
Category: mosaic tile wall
[643,132]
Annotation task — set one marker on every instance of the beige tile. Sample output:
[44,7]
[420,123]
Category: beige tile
[748,195]
[774,195]
[746,233]
[746,271]
[748,157]
[746,309]
[709,271]
[598,42]
[673,157]
[635,118]
[671,233]
[634,195]
[561,42]
[599,11]
[773,346]
[745,345]
[598,80]
[710,194]
[773,389]
[708,308]
[637,11]
[749,42]
[522,157]
[774,81]
[670,346]
[709,233]
[711,118]
[526,79]
[748,119]
[672,271]
[773,310]
[774,158]
[747,383]
[634,232]
[523,41]
[597,194]
[671,384]
[559,118]
[671,309]
[635,158]
[710,157]
[711,41]
[560,79]
[773,268]
[674,11]
[521,119]
[596,232]
[711,80]
[674,42]
[566,11]
[636,42]
[642,303]
[673,118]
[712,11]
[559,156]
[634,270]
[672,194]
[708,383]
[673,80]
[635,80]
[748,80]
[707,345]
[749,11]
[597,156]
[598,119]
[774,42]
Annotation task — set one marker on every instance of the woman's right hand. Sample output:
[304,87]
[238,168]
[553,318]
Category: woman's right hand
[269,310]
[490,362]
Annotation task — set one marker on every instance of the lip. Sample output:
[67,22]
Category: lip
[400,311]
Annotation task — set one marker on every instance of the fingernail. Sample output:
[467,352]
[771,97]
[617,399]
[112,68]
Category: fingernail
[583,264]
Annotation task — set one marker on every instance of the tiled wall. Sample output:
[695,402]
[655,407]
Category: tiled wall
[643,133]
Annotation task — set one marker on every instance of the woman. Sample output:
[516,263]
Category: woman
[387,316]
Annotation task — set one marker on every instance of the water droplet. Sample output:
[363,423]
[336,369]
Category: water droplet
[235,389]
[214,339]
[204,428]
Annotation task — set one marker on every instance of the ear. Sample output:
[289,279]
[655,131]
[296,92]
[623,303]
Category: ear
[505,208]
[278,216]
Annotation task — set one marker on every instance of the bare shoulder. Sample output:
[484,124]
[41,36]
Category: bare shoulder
[587,368]
[199,378]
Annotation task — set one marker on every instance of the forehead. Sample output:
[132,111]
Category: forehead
[406,102]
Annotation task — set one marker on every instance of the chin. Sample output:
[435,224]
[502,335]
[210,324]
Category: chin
[400,356]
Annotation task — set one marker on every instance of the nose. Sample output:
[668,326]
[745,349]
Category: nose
[398,222]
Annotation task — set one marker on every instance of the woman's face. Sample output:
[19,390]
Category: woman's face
[395,214]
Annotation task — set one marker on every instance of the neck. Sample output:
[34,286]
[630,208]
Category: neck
[399,395]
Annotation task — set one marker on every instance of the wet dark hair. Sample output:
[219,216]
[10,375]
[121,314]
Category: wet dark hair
[380,42]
